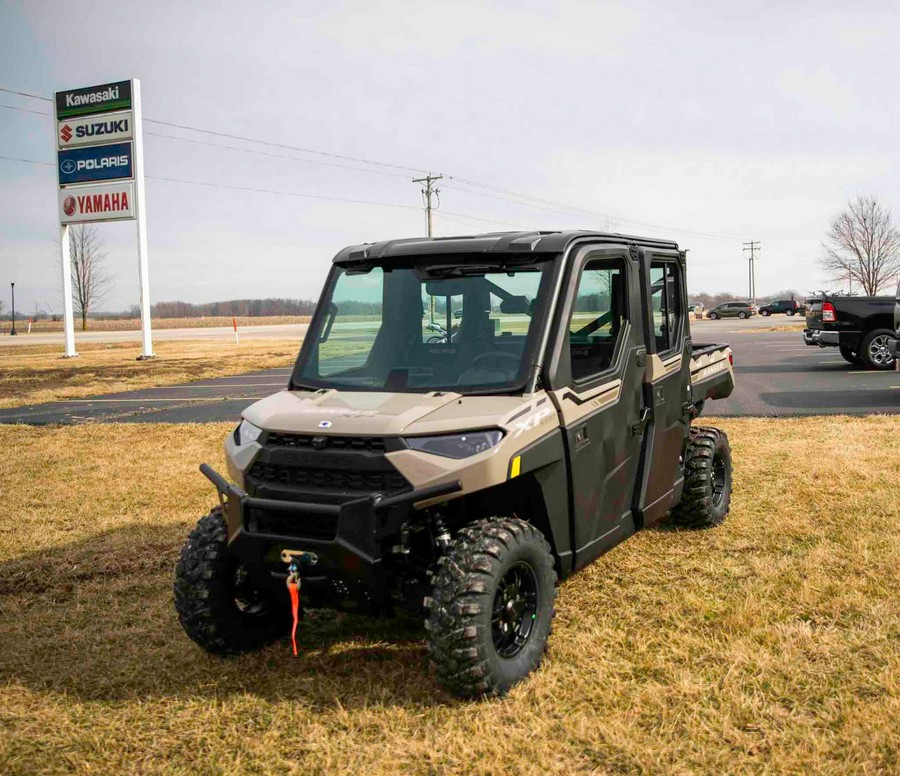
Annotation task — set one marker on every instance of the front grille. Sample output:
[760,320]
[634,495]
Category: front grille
[364,444]
[332,480]
[301,525]
[322,469]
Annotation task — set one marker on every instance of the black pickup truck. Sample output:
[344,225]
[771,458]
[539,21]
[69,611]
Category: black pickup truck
[894,344]
[861,327]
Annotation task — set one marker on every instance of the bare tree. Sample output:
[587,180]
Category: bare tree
[90,281]
[862,245]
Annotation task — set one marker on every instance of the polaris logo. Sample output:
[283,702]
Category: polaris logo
[91,98]
[95,163]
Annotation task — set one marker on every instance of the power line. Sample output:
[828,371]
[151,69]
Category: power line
[247,139]
[242,188]
[274,155]
[282,193]
[25,110]
[26,94]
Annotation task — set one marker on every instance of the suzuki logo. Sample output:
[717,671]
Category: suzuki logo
[68,166]
[66,133]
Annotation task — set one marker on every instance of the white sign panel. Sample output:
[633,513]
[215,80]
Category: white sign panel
[113,202]
[90,130]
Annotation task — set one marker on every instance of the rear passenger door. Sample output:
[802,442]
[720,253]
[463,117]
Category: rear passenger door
[666,384]
[598,365]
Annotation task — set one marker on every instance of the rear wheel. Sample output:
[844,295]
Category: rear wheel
[714,316]
[491,609]
[742,315]
[850,356]
[218,604]
[706,497]
[790,313]
[873,350]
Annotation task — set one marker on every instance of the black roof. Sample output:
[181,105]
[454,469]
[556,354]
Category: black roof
[494,242]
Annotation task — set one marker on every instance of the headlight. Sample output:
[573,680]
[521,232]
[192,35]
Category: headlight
[456,445]
[246,433]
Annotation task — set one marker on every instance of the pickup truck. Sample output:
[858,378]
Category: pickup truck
[861,327]
[894,344]
[460,477]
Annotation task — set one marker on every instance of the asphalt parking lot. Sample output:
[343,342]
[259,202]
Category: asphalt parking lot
[777,375]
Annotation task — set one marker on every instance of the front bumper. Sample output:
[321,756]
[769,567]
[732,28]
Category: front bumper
[821,338]
[346,539]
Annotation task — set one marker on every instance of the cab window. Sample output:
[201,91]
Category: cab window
[665,303]
[598,316]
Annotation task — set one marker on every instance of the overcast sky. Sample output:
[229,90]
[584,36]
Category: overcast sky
[704,125]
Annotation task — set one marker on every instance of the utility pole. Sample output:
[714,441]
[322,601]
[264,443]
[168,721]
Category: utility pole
[12,331]
[429,190]
[753,246]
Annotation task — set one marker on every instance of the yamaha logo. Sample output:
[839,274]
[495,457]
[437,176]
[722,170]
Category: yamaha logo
[66,133]
[69,205]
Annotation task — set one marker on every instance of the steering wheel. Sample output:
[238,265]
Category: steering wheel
[495,354]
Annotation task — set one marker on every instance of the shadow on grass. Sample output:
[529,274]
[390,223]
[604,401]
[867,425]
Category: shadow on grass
[95,621]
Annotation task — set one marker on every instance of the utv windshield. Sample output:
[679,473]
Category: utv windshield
[427,326]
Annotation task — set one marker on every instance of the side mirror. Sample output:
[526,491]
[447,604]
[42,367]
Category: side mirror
[331,315]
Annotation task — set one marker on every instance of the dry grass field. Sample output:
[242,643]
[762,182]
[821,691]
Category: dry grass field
[31,374]
[134,324]
[769,645]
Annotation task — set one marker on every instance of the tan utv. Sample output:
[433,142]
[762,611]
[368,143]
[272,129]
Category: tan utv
[470,420]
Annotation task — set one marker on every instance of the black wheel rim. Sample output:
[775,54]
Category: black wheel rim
[248,598]
[515,609]
[718,479]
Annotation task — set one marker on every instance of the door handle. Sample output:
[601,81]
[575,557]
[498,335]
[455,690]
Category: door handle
[637,429]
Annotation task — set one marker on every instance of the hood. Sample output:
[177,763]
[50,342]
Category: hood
[365,413]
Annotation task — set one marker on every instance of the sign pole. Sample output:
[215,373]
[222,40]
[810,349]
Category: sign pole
[68,316]
[65,263]
[141,213]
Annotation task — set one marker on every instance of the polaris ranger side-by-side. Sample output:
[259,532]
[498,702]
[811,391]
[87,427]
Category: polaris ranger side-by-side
[461,475]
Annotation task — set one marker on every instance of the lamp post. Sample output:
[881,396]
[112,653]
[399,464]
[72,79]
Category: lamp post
[12,331]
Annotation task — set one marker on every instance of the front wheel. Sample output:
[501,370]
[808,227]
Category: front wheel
[874,351]
[491,609]
[218,604]
[765,313]
[706,497]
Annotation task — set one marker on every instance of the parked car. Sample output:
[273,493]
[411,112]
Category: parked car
[732,310]
[861,327]
[786,306]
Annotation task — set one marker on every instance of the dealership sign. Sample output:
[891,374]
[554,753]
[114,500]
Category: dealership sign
[97,163]
[93,99]
[109,202]
[90,130]
[100,177]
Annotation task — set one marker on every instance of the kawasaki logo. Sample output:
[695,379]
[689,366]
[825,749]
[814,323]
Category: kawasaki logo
[77,100]
[66,133]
